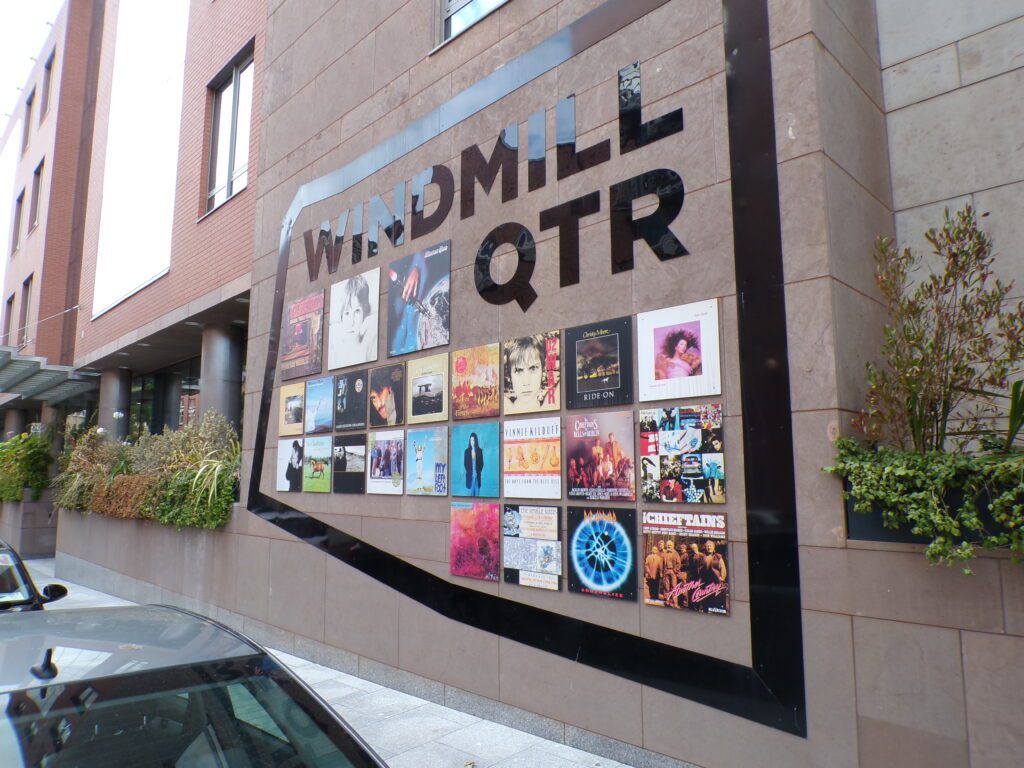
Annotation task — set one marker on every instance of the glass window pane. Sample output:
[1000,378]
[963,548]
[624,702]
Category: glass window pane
[220,154]
[468,15]
[242,129]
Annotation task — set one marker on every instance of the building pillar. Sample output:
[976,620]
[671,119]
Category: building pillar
[15,421]
[220,372]
[115,398]
[172,400]
[52,419]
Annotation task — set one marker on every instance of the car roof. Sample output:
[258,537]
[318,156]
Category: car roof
[91,643]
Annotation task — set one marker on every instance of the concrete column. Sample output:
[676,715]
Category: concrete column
[220,372]
[15,421]
[115,396]
[171,400]
[53,418]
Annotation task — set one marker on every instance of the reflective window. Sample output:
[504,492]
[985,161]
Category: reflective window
[19,206]
[229,141]
[37,188]
[26,129]
[8,320]
[44,99]
[26,310]
[459,15]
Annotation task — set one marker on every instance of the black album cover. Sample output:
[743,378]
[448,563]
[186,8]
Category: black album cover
[349,464]
[599,363]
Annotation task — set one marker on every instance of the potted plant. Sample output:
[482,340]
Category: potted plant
[940,454]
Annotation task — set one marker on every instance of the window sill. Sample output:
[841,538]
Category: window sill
[458,34]
[216,208]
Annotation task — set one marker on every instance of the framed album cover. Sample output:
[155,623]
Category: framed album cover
[599,364]
[678,352]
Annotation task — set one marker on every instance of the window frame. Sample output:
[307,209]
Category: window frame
[19,212]
[449,8]
[9,319]
[26,131]
[37,189]
[44,98]
[231,75]
[25,309]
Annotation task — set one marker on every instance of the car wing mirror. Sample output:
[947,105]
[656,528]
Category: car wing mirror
[54,592]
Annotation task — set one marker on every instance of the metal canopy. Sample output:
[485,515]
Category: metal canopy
[27,380]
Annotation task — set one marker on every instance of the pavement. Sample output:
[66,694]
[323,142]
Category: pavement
[407,732]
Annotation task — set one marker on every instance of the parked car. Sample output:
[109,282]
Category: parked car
[154,686]
[17,590]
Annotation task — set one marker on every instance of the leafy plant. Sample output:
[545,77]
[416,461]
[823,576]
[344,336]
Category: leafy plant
[25,462]
[87,462]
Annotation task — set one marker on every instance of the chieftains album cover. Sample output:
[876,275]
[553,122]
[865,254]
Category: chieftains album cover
[476,382]
[419,299]
[682,454]
[352,326]
[599,364]
[350,400]
[532,546]
[319,405]
[292,409]
[601,456]
[350,464]
[602,552]
[301,337]
[385,468]
[678,352]
[474,540]
[427,379]
[531,373]
[387,395]
[533,458]
[426,471]
[289,465]
[316,465]
[685,561]
[476,460]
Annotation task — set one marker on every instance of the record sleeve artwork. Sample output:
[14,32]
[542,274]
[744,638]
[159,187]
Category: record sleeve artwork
[533,458]
[427,379]
[601,456]
[387,460]
[427,467]
[476,382]
[289,465]
[599,364]
[476,460]
[475,531]
[319,405]
[350,463]
[685,561]
[532,551]
[602,552]
[316,465]
[682,454]
[387,395]
[292,409]
[350,400]
[419,300]
[678,352]
[302,337]
[531,372]
[353,320]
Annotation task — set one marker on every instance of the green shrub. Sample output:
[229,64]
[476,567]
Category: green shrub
[24,463]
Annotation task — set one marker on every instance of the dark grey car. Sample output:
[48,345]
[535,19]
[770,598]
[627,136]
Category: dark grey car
[153,686]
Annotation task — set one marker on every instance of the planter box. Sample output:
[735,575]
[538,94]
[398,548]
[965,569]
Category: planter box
[868,527]
[30,526]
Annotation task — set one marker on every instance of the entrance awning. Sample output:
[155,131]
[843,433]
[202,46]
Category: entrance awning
[27,381]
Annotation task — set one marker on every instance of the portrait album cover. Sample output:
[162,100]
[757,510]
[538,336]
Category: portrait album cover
[387,395]
[476,382]
[302,337]
[350,463]
[601,456]
[532,546]
[677,350]
[686,561]
[292,409]
[602,552]
[682,454]
[289,465]
[476,459]
[426,471]
[353,320]
[533,458]
[419,298]
[350,391]
[384,471]
[319,405]
[427,383]
[316,465]
[475,531]
[599,364]
[531,373]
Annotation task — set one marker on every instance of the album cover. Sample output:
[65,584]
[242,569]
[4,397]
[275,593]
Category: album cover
[350,400]
[533,458]
[426,472]
[532,546]
[352,326]
[316,465]
[682,454]
[531,373]
[476,382]
[428,389]
[419,298]
[476,459]
[387,395]
[601,456]
[292,398]
[289,465]
[602,552]
[350,464]
[319,405]
[384,471]
[302,336]
[686,561]
[474,540]
[599,364]
[678,352]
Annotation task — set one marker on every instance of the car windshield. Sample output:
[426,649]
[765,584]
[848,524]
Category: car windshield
[233,713]
[13,589]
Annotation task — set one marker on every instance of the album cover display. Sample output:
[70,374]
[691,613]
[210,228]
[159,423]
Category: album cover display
[678,352]
[419,300]
[289,465]
[476,460]
[292,399]
[533,458]
[601,457]
[532,546]
[350,400]
[428,389]
[302,337]
[475,531]
[686,561]
[602,552]
[386,451]
[682,454]
[316,465]
[319,405]
[476,382]
[353,319]
[387,395]
[350,464]
[531,373]
[599,364]
[426,472]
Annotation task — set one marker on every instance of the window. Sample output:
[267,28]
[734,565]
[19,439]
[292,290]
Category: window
[26,129]
[229,141]
[459,15]
[37,183]
[19,205]
[26,308]
[44,99]
[8,320]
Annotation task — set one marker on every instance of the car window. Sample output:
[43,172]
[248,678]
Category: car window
[249,711]
[13,588]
